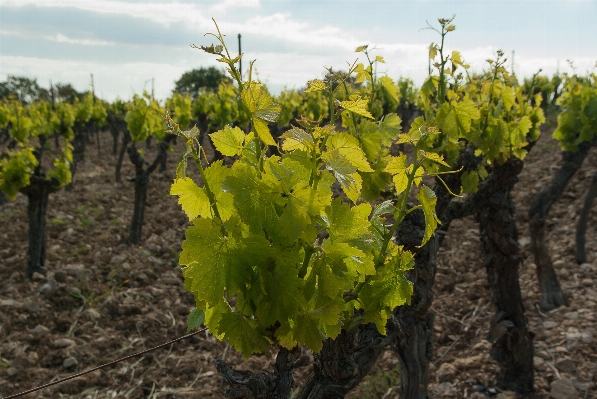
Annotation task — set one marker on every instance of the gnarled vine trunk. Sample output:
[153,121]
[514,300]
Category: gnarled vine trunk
[141,181]
[126,139]
[581,228]
[245,384]
[38,193]
[79,143]
[552,295]
[512,344]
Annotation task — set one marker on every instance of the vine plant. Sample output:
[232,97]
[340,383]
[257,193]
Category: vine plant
[274,255]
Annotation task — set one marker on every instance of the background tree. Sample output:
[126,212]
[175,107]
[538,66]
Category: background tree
[20,88]
[192,82]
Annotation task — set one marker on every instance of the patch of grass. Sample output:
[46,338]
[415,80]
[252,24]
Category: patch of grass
[82,250]
[115,222]
[548,147]
[58,222]
[85,223]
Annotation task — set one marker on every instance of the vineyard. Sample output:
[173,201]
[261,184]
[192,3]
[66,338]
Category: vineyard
[361,237]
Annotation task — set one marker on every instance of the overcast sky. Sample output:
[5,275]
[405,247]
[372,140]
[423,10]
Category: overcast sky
[126,43]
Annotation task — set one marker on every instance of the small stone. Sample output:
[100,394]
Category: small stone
[538,362]
[548,325]
[38,277]
[91,314]
[586,337]
[155,261]
[75,291]
[561,349]
[446,372]
[544,355]
[12,371]
[442,389]
[468,362]
[49,289]
[63,343]
[507,395]
[40,330]
[60,276]
[117,259]
[11,304]
[563,389]
[566,366]
[587,267]
[571,315]
[69,363]
[76,270]
[586,282]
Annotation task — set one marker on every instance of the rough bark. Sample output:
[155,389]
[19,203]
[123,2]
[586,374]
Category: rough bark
[512,344]
[245,384]
[552,295]
[115,133]
[38,193]
[141,181]
[79,143]
[414,345]
[126,139]
[581,228]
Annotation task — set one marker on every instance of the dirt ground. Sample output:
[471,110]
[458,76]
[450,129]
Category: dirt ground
[103,298]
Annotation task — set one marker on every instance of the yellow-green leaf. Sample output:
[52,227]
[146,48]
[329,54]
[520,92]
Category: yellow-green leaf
[263,132]
[389,86]
[228,141]
[427,198]
[358,106]
[315,85]
[191,197]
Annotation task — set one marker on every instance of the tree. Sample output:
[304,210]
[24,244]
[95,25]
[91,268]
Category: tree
[192,82]
[20,88]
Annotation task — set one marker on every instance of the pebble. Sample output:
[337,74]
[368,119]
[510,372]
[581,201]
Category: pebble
[507,395]
[117,259]
[548,325]
[40,330]
[563,389]
[443,389]
[468,362]
[586,337]
[38,277]
[155,261]
[587,267]
[586,282]
[75,270]
[446,372]
[48,289]
[538,362]
[69,363]
[566,366]
[60,276]
[91,314]
[571,315]
[63,343]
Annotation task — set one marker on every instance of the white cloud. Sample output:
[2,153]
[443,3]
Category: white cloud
[59,38]
[227,5]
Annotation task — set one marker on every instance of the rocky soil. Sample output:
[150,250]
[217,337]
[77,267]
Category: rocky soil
[103,298]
